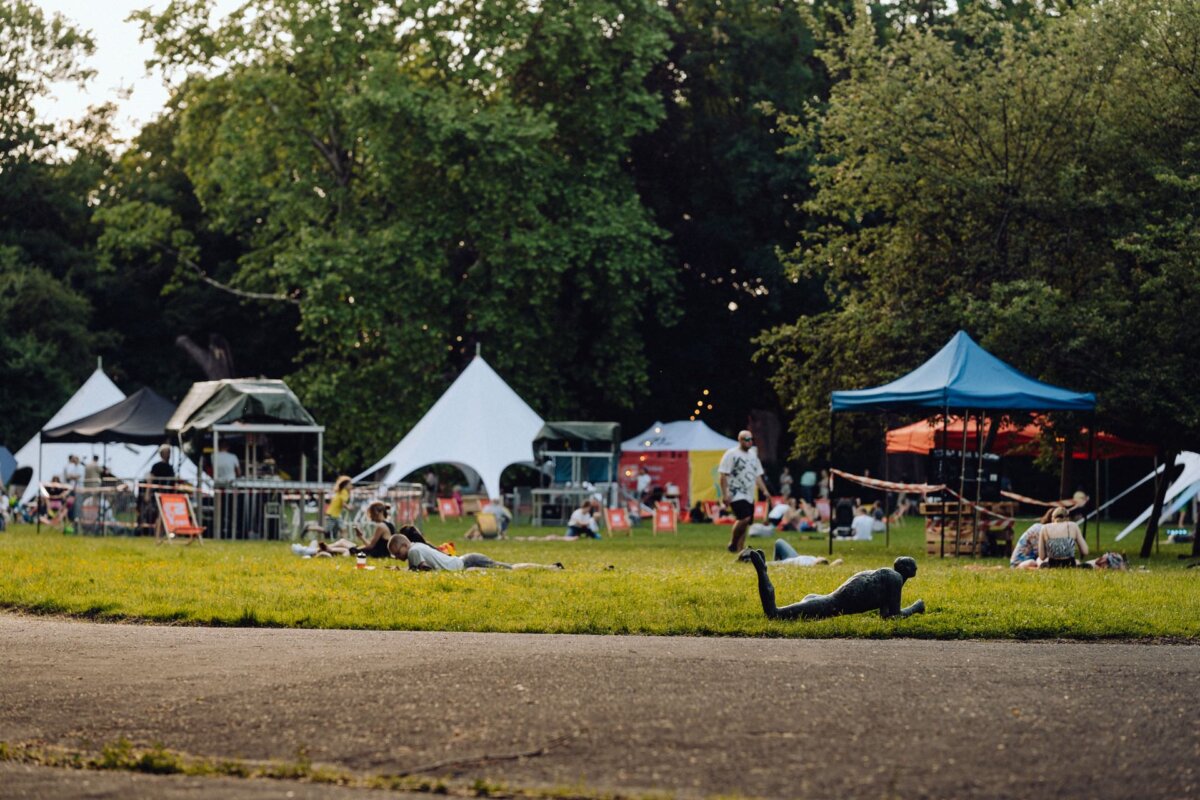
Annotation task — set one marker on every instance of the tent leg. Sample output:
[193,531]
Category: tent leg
[37,494]
[1096,491]
[942,471]
[887,476]
[831,423]
[962,482]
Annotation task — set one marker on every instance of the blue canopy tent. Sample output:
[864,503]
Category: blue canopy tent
[962,375]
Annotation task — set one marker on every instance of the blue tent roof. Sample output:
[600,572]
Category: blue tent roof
[964,375]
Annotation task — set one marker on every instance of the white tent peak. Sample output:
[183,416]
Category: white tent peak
[97,392]
[479,425]
[682,435]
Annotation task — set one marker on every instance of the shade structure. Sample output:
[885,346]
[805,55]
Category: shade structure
[140,418]
[581,451]
[251,400]
[479,425]
[964,375]
[685,453]
[126,460]
[923,436]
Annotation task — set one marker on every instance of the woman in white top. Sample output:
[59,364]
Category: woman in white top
[1057,541]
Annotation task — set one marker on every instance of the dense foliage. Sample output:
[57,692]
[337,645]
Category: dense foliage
[618,201]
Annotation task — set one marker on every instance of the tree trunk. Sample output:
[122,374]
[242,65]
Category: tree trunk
[1159,497]
[1195,530]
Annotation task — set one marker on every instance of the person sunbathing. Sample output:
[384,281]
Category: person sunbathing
[786,556]
[862,592]
[424,558]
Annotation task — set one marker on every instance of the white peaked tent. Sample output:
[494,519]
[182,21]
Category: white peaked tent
[1178,492]
[98,392]
[479,425]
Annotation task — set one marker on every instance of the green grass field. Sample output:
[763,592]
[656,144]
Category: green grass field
[672,585]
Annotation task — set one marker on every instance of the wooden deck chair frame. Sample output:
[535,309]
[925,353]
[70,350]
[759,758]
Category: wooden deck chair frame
[668,509]
[191,530]
[448,507]
[616,520]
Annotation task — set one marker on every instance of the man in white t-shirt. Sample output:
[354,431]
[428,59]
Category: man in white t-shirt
[583,521]
[226,466]
[741,472]
[862,525]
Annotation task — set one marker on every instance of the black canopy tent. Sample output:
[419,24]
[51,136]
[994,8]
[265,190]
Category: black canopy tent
[964,376]
[141,418]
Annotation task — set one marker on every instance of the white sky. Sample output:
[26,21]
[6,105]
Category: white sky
[119,62]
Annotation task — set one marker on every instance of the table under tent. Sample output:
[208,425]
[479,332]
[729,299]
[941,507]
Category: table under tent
[965,379]
[139,423]
[280,447]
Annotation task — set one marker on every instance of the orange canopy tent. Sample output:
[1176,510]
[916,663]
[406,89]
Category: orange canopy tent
[923,436]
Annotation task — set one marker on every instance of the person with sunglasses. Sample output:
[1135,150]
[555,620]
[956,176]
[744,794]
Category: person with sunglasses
[741,473]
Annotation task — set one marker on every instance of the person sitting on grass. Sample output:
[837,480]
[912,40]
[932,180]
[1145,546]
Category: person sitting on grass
[786,556]
[424,558]
[862,592]
[1025,551]
[503,516]
[1057,541]
[584,521]
[379,529]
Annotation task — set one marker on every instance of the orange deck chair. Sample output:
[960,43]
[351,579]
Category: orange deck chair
[176,518]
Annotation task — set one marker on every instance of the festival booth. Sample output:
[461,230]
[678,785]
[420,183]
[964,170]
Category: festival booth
[479,425]
[281,455]
[683,453]
[962,377]
[126,460]
[580,458]
[139,419]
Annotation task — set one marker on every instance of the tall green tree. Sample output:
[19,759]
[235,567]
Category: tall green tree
[46,172]
[416,178]
[1029,182]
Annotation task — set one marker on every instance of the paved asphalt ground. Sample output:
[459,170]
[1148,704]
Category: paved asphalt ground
[630,715]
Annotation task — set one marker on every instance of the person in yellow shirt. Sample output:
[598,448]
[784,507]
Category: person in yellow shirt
[337,505]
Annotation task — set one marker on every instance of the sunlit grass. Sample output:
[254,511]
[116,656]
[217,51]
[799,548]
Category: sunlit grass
[685,584]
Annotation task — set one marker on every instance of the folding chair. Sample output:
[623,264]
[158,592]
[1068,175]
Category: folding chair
[843,517]
[176,518]
[617,522]
[448,507]
[664,518]
[761,509]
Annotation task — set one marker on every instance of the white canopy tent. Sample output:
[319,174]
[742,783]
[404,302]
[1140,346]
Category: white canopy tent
[98,392]
[682,435]
[1178,492]
[479,425]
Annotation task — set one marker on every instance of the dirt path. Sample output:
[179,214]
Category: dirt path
[691,717]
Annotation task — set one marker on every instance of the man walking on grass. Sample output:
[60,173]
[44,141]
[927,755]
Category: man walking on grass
[741,472]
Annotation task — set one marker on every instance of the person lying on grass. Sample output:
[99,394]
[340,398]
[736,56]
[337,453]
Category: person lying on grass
[423,558]
[864,591]
[786,556]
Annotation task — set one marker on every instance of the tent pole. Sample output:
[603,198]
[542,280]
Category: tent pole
[1092,463]
[962,482]
[979,437]
[831,423]
[887,476]
[942,473]
[37,493]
